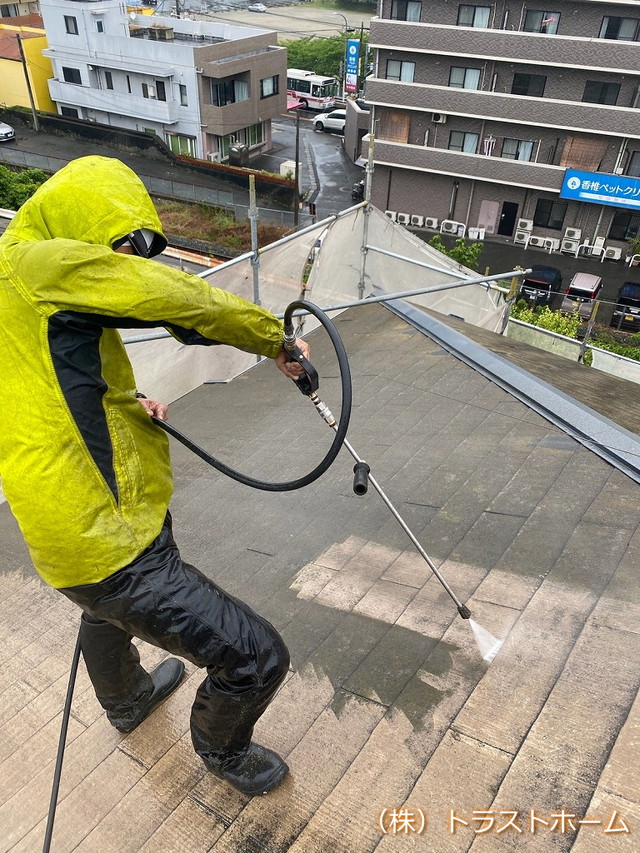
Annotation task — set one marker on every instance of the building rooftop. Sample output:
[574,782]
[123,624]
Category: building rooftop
[388,703]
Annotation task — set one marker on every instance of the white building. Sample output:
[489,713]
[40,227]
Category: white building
[198,86]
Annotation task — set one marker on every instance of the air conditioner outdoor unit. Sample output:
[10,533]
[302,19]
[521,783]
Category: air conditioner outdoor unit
[521,237]
[569,245]
[438,118]
[403,218]
[391,214]
[417,221]
[535,240]
[552,243]
[573,233]
[525,224]
[213,156]
[449,227]
[613,253]
[430,222]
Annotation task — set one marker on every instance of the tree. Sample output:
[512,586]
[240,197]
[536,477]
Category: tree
[323,55]
[17,187]
[463,253]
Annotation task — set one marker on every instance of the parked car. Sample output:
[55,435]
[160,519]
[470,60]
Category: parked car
[257,7]
[626,313]
[540,284]
[335,120]
[6,132]
[582,291]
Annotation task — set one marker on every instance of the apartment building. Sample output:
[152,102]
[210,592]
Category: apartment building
[22,40]
[201,87]
[18,10]
[522,120]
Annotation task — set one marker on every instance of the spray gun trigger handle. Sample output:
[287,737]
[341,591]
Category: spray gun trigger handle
[308,382]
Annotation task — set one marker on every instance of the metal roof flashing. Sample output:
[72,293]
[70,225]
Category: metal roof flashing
[607,439]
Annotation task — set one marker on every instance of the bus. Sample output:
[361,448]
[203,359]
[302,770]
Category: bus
[314,91]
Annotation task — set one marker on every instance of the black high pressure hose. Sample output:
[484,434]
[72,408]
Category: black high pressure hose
[308,385]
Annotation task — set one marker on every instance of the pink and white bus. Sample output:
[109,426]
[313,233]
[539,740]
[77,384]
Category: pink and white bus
[314,91]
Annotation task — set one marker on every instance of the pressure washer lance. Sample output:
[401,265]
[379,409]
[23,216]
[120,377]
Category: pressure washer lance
[308,385]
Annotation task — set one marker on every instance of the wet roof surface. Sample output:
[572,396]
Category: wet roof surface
[388,703]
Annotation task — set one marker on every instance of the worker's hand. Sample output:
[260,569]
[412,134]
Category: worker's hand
[291,368]
[155,409]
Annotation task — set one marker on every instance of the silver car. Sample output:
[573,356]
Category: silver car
[581,294]
[6,132]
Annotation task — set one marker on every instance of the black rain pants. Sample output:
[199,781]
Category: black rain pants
[168,603]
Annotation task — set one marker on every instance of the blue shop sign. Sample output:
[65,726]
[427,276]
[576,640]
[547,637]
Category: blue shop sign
[599,188]
[351,75]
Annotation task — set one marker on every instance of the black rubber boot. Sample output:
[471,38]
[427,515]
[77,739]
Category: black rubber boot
[165,677]
[255,771]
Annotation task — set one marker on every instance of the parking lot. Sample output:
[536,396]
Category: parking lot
[498,254]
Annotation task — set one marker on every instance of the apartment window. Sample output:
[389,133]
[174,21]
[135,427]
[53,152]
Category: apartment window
[624,225]
[622,29]
[474,16]
[550,214]
[71,25]
[71,75]
[399,70]
[405,10]
[541,22]
[108,79]
[528,84]
[633,169]
[148,91]
[269,86]
[178,144]
[228,92]
[183,95]
[464,78]
[517,149]
[69,112]
[255,134]
[100,26]
[601,93]
[459,140]
[128,84]
[161,92]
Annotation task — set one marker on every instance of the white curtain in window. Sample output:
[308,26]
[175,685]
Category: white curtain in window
[241,90]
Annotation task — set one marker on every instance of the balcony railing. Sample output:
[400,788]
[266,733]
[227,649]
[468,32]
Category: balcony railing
[620,57]
[106,100]
[499,106]
[474,166]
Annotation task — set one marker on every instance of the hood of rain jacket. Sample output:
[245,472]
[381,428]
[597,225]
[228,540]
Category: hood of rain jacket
[84,469]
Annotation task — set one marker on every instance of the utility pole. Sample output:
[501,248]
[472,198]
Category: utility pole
[36,123]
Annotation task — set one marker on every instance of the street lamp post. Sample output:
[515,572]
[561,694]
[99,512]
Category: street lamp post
[344,61]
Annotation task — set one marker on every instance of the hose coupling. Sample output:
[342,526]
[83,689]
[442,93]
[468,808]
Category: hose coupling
[323,410]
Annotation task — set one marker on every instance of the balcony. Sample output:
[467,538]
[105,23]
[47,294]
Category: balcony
[619,57]
[518,173]
[108,101]
[498,106]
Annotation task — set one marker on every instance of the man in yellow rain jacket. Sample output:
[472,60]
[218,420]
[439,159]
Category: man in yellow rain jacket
[87,473]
